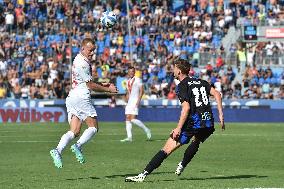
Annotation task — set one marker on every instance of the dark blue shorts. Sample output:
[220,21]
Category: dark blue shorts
[201,134]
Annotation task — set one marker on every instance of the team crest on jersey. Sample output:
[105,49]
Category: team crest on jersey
[85,69]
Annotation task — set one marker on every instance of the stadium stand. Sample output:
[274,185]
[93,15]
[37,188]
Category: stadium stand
[38,38]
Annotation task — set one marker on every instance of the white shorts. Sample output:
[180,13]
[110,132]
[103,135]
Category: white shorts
[81,108]
[132,110]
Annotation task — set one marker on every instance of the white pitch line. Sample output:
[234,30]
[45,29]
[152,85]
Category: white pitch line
[9,131]
[160,134]
[28,141]
[250,135]
[53,141]
[12,136]
[263,188]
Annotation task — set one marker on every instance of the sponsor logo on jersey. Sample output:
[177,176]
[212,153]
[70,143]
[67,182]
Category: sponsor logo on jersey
[194,83]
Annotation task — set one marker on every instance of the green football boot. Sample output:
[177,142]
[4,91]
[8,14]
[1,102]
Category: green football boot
[78,153]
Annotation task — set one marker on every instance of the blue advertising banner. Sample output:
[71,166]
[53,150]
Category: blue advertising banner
[158,114]
[28,103]
[172,114]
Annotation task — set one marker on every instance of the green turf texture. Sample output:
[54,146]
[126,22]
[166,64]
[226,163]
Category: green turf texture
[246,155]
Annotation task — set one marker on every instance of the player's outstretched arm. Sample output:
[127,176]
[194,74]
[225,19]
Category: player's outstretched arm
[218,99]
[100,88]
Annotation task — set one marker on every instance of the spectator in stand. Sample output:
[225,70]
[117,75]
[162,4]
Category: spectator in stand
[3,91]
[112,102]
[172,95]
[219,63]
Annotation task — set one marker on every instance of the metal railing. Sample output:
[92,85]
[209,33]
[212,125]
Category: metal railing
[232,59]
[257,22]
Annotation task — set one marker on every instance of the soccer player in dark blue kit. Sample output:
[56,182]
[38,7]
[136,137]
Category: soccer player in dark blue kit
[196,121]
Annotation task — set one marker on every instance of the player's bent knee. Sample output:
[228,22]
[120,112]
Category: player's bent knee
[184,139]
[167,151]
[128,118]
[94,129]
[195,140]
[132,120]
[76,133]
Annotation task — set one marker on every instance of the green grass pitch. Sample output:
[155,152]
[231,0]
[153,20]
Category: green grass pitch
[246,155]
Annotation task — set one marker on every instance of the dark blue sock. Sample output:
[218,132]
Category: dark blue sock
[156,161]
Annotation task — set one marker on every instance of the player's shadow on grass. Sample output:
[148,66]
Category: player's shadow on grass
[83,178]
[157,140]
[126,175]
[115,176]
[226,177]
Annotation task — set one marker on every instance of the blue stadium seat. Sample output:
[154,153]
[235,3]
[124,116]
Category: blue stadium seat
[101,47]
[190,49]
[126,49]
[146,43]
[254,80]
[66,75]
[267,80]
[161,74]
[75,50]
[171,43]
[99,70]
[59,16]
[279,81]
[196,46]
[273,81]
[166,42]
[261,81]
[126,40]
[107,40]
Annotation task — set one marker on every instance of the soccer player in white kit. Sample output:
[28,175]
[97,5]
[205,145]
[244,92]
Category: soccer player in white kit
[79,105]
[134,94]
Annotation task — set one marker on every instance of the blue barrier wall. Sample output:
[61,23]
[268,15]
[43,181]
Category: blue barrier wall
[16,103]
[172,114]
[161,111]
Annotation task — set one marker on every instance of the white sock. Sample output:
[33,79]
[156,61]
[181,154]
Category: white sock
[65,139]
[140,124]
[86,136]
[128,129]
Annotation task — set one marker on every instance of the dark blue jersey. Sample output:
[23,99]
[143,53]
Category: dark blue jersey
[196,92]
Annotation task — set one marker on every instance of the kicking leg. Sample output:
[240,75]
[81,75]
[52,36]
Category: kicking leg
[170,146]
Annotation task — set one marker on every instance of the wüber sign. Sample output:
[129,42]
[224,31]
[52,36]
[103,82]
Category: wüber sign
[22,115]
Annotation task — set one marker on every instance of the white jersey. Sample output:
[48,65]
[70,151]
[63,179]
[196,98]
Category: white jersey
[81,73]
[133,86]
[78,102]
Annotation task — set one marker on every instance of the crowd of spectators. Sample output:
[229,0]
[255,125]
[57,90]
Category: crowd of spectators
[38,38]
[261,13]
